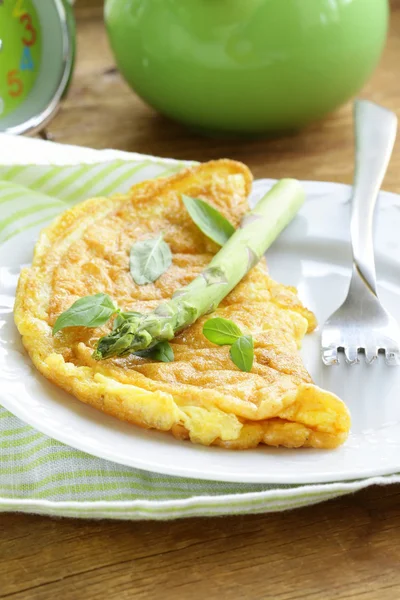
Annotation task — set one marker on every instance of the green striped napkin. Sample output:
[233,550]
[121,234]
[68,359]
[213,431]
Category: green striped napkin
[41,475]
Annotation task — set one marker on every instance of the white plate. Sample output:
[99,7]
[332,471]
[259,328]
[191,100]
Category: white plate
[312,254]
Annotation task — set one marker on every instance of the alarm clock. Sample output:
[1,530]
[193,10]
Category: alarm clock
[37,48]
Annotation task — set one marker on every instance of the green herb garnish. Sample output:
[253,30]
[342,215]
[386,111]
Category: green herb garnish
[149,259]
[221,331]
[224,332]
[90,311]
[209,220]
[242,353]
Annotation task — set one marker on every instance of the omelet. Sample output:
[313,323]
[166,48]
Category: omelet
[200,396]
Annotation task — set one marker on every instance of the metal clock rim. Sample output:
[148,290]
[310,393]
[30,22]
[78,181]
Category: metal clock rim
[38,122]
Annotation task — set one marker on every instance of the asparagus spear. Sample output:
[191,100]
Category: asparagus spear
[240,253]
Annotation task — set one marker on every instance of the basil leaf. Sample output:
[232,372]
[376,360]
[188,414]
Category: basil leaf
[209,220]
[90,311]
[161,352]
[221,331]
[122,316]
[149,259]
[242,353]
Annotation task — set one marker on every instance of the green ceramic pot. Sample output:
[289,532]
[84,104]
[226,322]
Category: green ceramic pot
[246,66]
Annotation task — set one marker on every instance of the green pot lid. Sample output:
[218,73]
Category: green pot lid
[37,47]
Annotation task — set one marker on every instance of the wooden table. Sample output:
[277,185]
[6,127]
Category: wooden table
[344,549]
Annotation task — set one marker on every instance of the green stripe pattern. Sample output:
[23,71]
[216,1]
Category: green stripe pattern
[41,475]
[31,195]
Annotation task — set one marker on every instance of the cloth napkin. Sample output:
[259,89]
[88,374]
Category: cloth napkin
[38,180]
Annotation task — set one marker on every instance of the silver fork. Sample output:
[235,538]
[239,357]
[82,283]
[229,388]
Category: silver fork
[361,324]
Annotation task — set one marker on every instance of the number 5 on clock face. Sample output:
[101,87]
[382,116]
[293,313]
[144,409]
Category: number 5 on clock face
[15,85]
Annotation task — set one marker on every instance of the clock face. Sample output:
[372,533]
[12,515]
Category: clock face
[20,52]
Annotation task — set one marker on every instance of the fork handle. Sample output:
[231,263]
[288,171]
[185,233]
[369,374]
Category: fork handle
[375,132]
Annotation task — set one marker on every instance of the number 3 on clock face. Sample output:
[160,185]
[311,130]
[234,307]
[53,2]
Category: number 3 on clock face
[30,38]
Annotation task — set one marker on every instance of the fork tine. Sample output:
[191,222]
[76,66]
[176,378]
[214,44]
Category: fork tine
[371,355]
[330,356]
[351,355]
[392,357]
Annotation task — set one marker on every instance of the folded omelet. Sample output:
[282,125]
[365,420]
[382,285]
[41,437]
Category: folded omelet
[201,395]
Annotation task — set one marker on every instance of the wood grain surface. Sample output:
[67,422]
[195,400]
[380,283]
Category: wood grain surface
[345,549]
